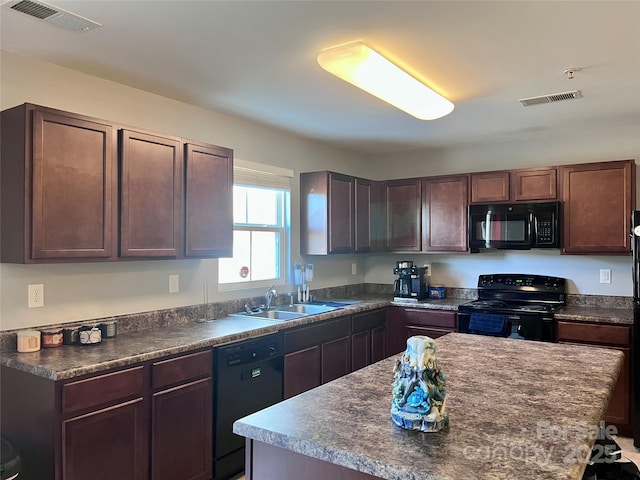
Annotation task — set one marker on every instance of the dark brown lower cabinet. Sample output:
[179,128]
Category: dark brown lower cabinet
[181,432]
[106,444]
[316,354]
[617,337]
[336,360]
[181,417]
[151,420]
[302,371]
[368,338]
[405,322]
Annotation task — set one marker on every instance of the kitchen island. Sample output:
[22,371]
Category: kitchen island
[517,410]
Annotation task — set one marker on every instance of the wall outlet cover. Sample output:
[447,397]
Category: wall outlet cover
[605,275]
[36,296]
[174,283]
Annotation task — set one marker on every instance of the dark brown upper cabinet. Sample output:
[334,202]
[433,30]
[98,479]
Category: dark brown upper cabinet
[326,213]
[490,187]
[535,184]
[335,213]
[444,213]
[364,210]
[151,196]
[403,216]
[58,186]
[209,210]
[598,200]
[63,191]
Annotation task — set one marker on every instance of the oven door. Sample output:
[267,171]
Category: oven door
[500,226]
[521,327]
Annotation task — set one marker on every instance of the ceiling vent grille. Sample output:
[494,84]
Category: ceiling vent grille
[54,15]
[552,97]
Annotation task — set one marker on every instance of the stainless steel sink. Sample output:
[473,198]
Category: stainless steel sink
[290,312]
[306,309]
[272,314]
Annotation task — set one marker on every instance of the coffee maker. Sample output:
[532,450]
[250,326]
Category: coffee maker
[410,283]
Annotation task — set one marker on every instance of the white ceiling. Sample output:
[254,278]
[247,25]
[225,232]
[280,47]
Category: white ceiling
[257,59]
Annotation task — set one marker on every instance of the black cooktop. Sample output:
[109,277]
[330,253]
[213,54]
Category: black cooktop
[518,293]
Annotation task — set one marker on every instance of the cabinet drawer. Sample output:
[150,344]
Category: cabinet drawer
[594,333]
[181,369]
[366,321]
[103,389]
[430,318]
[316,334]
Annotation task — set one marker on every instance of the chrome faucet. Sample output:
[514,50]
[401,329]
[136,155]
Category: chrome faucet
[269,296]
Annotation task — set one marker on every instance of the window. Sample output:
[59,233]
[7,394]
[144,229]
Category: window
[260,232]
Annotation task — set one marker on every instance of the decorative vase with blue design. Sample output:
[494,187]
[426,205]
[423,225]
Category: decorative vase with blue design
[419,396]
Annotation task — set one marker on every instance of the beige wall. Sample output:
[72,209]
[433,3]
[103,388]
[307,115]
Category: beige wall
[85,291]
[93,290]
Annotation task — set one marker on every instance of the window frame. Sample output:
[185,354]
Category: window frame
[278,180]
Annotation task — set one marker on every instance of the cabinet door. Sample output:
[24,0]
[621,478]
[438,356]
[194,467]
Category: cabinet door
[598,200]
[340,213]
[396,331]
[368,338]
[534,184]
[336,359]
[73,187]
[619,411]
[363,208]
[618,337]
[209,201]
[326,213]
[378,344]
[403,215]
[444,211]
[490,187]
[302,371]
[360,350]
[106,444]
[181,433]
[151,221]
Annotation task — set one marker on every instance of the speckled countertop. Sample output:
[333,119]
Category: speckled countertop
[70,361]
[159,336]
[622,316]
[517,410]
[433,304]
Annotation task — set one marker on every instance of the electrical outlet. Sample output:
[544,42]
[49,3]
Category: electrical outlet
[36,296]
[427,270]
[354,268]
[605,275]
[174,283]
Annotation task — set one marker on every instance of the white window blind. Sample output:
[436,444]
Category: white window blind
[260,175]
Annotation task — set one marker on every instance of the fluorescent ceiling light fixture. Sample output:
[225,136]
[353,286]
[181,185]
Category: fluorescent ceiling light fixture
[365,68]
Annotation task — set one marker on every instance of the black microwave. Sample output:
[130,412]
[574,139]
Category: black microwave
[517,226]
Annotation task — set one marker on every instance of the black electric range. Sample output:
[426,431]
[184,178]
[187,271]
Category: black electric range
[522,304]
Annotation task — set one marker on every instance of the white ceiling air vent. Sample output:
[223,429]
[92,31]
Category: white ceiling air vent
[552,97]
[53,15]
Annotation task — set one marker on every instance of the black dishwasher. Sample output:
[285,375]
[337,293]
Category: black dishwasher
[248,378]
